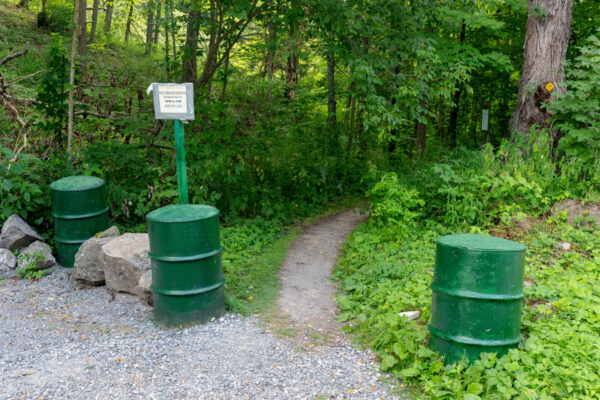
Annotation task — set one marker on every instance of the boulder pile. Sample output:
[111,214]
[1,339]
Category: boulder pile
[17,235]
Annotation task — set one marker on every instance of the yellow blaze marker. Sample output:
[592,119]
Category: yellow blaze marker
[550,86]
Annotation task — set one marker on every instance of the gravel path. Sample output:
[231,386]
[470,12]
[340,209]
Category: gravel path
[60,340]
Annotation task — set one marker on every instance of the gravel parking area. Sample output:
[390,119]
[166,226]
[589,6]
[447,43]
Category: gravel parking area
[62,340]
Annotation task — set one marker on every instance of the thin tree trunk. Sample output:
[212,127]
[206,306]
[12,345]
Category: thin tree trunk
[452,127]
[108,16]
[82,39]
[189,59]
[72,80]
[95,6]
[225,75]
[149,27]
[157,21]
[270,59]
[167,66]
[129,20]
[331,103]
[545,49]
[172,23]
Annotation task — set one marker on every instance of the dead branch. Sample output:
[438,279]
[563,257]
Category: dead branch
[22,78]
[15,55]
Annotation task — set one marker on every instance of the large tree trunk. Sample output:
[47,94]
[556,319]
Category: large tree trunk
[149,27]
[189,65]
[108,15]
[95,6]
[546,42]
[81,37]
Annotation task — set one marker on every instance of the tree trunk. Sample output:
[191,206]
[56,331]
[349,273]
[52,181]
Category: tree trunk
[546,42]
[331,103]
[172,24]
[421,137]
[270,59]
[81,37]
[291,73]
[453,124]
[23,4]
[129,20]
[225,75]
[167,66]
[157,21]
[95,6]
[74,37]
[189,65]
[149,27]
[108,16]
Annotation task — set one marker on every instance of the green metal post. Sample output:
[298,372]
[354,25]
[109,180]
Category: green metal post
[181,169]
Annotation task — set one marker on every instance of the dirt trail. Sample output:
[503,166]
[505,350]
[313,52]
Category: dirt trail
[307,294]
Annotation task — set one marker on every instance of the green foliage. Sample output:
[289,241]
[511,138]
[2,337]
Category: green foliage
[578,110]
[28,266]
[382,274]
[52,92]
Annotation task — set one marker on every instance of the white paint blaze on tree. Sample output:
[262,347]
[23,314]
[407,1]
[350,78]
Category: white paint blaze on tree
[546,42]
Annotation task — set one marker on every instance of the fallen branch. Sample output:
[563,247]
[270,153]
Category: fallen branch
[15,55]
[22,78]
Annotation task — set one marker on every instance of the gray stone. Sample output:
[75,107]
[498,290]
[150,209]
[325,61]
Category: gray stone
[87,266]
[8,260]
[411,315]
[124,260]
[27,255]
[16,234]
[142,290]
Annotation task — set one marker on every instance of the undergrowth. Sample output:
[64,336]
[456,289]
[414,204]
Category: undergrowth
[388,263]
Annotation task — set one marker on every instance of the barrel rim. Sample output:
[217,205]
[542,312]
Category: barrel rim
[155,215]
[194,257]
[81,216]
[514,247]
[468,294]
[472,341]
[190,292]
[100,183]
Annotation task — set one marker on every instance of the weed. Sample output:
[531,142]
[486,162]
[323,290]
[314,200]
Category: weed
[30,262]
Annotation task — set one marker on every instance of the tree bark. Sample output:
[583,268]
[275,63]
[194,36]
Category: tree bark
[82,37]
[95,6]
[225,76]
[129,20]
[149,27]
[167,66]
[331,103]
[74,38]
[453,124]
[157,21]
[546,43]
[108,16]
[270,58]
[189,63]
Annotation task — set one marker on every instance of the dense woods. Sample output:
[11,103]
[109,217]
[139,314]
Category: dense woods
[447,115]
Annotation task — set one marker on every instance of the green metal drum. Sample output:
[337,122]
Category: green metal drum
[187,275]
[477,293]
[79,210]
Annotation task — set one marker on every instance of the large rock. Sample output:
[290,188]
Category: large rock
[45,259]
[124,260]
[16,234]
[87,266]
[8,260]
[143,291]
[576,209]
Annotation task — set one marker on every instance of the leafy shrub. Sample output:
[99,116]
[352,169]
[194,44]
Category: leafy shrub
[578,110]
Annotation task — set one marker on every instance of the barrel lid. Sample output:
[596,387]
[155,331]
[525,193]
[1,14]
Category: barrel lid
[182,213]
[480,243]
[76,183]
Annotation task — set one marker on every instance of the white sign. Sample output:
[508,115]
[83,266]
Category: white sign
[485,120]
[173,101]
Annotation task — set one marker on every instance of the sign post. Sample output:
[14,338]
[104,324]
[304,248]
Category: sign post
[175,101]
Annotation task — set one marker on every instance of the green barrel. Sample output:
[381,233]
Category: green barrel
[477,293]
[79,210]
[187,275]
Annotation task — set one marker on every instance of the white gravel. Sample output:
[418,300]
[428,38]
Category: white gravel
[62,340]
